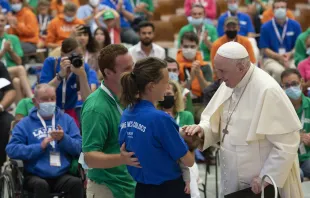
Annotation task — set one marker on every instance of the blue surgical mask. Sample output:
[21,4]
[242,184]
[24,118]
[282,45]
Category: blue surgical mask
[196,22]
[293,92]
[308,51]
[173,76]
[47,109]
[17,7]
[280,13]
[233,7]
[69,19]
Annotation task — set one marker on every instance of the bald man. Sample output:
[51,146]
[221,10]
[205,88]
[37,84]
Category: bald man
[255,123]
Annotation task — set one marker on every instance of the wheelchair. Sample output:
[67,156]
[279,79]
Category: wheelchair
[12,181]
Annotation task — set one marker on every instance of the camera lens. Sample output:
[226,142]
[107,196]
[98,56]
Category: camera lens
[77,62]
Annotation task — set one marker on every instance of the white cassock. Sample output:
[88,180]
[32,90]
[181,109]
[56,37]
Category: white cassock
[263,134]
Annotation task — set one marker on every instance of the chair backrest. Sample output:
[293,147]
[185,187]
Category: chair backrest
[178,22]
[166,7]
[164,31]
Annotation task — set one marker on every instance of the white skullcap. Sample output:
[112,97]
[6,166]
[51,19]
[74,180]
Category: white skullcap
[233,50]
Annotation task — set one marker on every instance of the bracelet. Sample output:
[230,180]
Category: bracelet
[1,108]
[59,77]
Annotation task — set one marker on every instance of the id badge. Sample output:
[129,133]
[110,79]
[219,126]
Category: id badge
[302,149]
[282,51]
[55,159]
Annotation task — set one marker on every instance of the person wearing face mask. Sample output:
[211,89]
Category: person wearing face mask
[269,14]
[146,48]
[245,22]
[62,26]
[23,23]
[88,11]
[304,68]
[231,29]
[193,70]
[292,81]
[301,47]
[57,6]
[277,41]
[47,141]
[205,32]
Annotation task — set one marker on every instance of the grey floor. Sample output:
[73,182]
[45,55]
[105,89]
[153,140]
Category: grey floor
[211,193]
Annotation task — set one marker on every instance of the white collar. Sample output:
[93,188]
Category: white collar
[139,48]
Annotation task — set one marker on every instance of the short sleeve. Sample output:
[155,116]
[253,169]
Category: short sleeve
[5,74]
[264,37]
[17,46]
[21,108]
[150,6]
[94,131]
[213,34]
[169,136]
[92,77]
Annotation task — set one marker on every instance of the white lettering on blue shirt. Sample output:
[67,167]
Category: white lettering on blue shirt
[132,124]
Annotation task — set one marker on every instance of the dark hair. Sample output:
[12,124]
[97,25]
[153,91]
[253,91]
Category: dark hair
[107,40]
[190,36]
[43,3]
[92,46]
[290,71]
[107,56]
[168,59]
[69,45]
[277,1]
[133,83]
[70,7]
[144,24]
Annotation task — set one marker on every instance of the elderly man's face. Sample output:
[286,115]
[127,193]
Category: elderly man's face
[227,71]
[45,95]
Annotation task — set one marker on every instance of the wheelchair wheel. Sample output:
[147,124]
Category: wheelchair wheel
[7,186]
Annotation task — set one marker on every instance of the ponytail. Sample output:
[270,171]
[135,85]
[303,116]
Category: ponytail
[129,89]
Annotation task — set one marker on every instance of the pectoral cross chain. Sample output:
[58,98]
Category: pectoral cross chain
[225,131]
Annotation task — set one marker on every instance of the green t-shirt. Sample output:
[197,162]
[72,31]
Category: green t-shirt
[100,122]
[189,104]
[212,36]
[305,107]
[150,4]
[300,47]
[24,106]
[33,4]
[8,61]
[185,118]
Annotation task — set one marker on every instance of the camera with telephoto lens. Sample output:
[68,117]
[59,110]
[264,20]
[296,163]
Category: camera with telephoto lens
[76,60]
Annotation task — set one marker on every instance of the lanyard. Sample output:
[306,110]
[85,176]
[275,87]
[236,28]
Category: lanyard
[43,22]
[3,57]
[203,29]
[45,127]
[178,119]
[280,38]
[120,110]
[64,88]
[112,35]
[303,119]
[86,56]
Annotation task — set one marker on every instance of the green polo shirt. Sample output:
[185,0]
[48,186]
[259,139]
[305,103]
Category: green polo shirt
[186,118]
[24,106]
[100,122]
[306,108]
[300,47]
[212,36]
[15,46]
[150,4]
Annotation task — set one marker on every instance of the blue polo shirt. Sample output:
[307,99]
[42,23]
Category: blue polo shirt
[48,73]
[245,24]
[126,5]
[269,39]
[154,137]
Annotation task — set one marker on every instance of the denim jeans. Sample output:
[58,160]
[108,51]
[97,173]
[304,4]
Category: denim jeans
[305,169]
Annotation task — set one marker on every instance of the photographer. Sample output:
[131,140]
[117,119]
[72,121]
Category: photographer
[68,74]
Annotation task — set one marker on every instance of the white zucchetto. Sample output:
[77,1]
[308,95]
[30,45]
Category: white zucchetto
[232,50]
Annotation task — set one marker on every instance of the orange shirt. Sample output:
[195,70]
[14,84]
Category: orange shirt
[240,39]
[58,29]
[183,63]
[27,28]
[268,15]
[60,7]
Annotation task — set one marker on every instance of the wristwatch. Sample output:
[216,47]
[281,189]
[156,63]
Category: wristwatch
[59,77]
[1,108]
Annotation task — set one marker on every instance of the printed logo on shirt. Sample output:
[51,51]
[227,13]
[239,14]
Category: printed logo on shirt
[41,132]
[243,22]
[290,34]
[307,120]
[74,86]
[132,124]
[67,28]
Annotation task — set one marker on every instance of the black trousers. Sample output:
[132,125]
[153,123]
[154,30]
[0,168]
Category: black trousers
[168,189]
[70,185]
[5,126]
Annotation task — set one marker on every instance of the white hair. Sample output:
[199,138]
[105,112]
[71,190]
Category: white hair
[43,86]
[243,62]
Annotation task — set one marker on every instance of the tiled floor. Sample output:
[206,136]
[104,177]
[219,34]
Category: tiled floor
[211,183]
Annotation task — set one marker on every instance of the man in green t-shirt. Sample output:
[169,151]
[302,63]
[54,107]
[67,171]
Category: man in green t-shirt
[143,8]
[301,47]
[23,108]
[101,115]
[292,84]
[206,33]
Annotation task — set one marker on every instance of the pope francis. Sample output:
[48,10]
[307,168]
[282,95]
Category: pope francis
[255,123]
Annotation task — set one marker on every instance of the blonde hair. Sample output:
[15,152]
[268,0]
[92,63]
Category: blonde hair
[179,102]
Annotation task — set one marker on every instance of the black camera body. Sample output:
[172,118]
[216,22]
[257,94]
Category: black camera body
[76,60]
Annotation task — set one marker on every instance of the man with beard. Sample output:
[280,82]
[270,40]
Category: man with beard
[146,48]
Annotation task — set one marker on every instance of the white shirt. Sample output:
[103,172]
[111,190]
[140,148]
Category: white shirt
[137,53]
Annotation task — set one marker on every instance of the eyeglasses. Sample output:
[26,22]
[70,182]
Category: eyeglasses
[292,84]
[173,70]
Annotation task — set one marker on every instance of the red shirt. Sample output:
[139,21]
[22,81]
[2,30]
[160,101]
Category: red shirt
[115,35]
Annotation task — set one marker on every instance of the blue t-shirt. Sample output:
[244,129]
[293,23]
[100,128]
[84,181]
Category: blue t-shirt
[48,73]
[269,39]
[5,7]
[154,137]
[126,5]
[245,24]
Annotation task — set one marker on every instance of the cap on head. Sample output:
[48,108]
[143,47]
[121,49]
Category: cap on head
[108,15]
[232,50]
[231,20]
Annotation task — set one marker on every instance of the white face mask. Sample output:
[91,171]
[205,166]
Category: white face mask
[47,109]
[189,53]
[69,19]
[94,2]
[280,13]
[17,7]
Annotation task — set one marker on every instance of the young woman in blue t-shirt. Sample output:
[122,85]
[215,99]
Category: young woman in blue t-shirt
[152,134]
